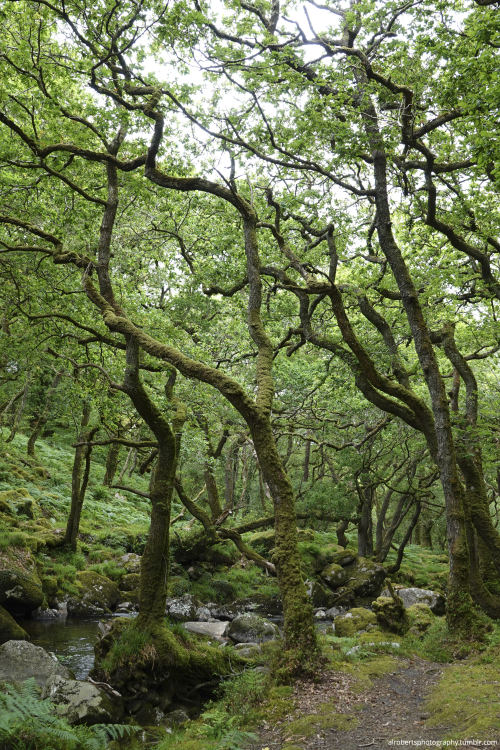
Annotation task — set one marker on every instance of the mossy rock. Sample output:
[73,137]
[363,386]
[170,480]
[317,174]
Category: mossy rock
[420,617]
[262,542]
[391,614]
[50,588]
[344,557]
[225,591]
[20,587]
[364,582]
[130,582]
[334,575]
[223,553]
[356,620]
[316,556]
[177,586]
[10,630]
[160,664]
[319,594]
[18,501]
[97,595]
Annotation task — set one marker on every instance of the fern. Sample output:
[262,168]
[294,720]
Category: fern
[29,723]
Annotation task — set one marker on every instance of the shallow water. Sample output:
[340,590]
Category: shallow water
[72,641]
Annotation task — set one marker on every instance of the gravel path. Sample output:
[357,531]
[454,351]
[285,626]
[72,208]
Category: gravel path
[391,709]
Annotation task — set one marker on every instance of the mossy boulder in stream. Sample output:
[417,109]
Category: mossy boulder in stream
[20,587]
[155,666]
[10,630]
[97,595]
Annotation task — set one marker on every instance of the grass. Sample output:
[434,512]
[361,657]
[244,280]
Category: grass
[467,698]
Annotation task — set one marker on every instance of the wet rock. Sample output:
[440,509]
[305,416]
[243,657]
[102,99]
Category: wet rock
[357,620]
[10,630]
[221,611]
[320,614]
[98,595]
[182,608]
[20,587]
[251,628]
[82,702]
[433,599]
[211,629]
[334,575]
[126,608]
[20,660]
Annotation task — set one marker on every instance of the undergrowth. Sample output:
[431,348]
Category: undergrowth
[29,723]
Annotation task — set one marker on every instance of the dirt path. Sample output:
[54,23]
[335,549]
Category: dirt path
[391,709]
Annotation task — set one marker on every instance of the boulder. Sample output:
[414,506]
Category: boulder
[316,556]
[357,620]
[226,592]
[334,612]
[182,608]
[420,617]
[82,702]
[319,594]
[210,629]
[334,575]
[20,660]
[251,628]
[391,614]
[9,628]
[131,562]
[221,611]
[364,582]
[98,595]
[20,587]
[130,582]
[433,599]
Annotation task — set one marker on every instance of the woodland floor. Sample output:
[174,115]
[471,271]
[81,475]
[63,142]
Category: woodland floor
[393,708]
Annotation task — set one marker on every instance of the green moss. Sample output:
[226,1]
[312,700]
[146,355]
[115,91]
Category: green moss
[466,698]
[354,621]
[309,725]
[365,670]
[420,617]
[391,614]
[10,630]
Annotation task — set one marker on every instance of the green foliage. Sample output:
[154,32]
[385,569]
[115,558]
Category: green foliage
[29,723]
[133,644]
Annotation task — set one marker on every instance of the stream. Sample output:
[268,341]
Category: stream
[72,641]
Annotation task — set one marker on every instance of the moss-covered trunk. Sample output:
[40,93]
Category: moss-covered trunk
[301,641]
[111,464]
[79,485]
[154,562]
